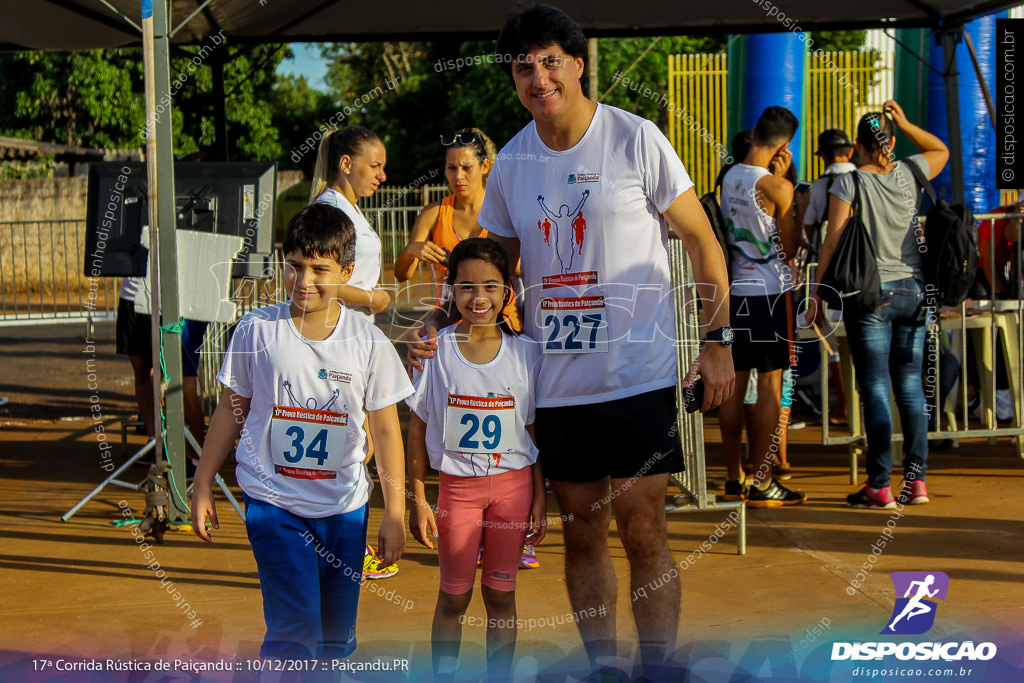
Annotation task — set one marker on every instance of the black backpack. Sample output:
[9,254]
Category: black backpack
[714,213]
[950,256]
[852,275]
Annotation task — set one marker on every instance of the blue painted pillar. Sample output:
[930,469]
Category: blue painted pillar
[773,74]
[977,137]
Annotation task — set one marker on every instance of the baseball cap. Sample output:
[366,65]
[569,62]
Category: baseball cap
[831,141]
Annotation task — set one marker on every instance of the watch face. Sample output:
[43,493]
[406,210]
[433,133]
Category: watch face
[727,336]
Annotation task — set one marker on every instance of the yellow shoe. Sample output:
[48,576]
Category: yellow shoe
[373,568]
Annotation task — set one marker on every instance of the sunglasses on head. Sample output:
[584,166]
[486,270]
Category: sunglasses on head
[461,138]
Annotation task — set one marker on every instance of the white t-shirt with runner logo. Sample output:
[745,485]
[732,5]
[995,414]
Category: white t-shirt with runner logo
[594,254]
[476,414]
[758,264]
[303,444]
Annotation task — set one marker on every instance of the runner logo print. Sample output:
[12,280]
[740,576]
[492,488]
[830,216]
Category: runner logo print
[917,593]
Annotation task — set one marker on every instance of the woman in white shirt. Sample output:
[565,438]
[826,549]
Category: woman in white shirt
[350,165]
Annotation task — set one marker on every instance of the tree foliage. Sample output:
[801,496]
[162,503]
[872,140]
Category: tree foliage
[409,92]
[443,86]
[838,41]
[644,61]
[84,99]
[96,99]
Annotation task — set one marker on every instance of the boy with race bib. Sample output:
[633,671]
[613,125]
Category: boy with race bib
[301,378]
[472,416]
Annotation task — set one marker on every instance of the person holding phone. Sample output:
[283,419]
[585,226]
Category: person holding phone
[887,344]
[758,205]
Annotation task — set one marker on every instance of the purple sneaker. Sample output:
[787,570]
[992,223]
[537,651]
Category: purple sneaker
[529,558]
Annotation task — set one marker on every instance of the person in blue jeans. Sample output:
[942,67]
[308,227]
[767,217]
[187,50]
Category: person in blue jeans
[887,344]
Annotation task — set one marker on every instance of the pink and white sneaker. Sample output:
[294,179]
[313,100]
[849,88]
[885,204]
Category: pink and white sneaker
[914,493]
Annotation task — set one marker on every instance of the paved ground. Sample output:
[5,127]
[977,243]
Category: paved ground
[81,591]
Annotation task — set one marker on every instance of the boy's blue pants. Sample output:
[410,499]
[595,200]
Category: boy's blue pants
[310,571]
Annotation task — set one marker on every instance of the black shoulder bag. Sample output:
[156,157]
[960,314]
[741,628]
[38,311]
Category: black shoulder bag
[851,280]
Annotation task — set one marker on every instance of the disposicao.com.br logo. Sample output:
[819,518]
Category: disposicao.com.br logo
[912,614]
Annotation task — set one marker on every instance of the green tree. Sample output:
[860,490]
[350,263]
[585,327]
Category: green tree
[297,110]
[92,98]
[407,94]
[838,41]
[644,61]
[95,98]
[249,81]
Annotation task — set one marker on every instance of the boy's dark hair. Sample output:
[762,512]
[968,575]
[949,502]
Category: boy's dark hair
[776,126]
[741,144]
[321,230]
[833,143]
[529,27]
[488,251]
[875,132]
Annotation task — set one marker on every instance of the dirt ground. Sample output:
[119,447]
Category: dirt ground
[80,593]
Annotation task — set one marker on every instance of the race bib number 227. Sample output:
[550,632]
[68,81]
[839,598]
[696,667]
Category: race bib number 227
[574,325]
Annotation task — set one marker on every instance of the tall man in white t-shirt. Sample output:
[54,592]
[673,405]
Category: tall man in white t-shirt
[599,301]
[757,204]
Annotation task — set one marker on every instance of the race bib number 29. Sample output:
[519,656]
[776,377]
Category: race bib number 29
[574,325]
[308,444]
[479,424]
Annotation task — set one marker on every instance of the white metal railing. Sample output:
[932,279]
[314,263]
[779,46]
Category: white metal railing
[42,279]
[994,324]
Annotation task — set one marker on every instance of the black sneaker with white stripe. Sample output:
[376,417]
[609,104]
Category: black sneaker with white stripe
[773,496]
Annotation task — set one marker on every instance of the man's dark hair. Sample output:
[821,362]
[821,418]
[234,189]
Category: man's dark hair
[776,126]
[529,27]
[321,230]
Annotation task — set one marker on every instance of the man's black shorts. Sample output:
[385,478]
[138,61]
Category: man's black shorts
[132,331]
[763,326]
[628,437]
[132,335]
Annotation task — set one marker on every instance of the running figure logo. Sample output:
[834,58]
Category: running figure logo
[569,228]
[545,227]
[914,613]
[311,402]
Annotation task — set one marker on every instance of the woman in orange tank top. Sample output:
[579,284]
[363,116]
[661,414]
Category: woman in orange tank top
[441,225]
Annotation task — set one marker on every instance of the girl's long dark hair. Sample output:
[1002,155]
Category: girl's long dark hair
[488,251]
[875,131]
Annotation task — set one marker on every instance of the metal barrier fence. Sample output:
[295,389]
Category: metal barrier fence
[42,263]
[41,278]
[692,482]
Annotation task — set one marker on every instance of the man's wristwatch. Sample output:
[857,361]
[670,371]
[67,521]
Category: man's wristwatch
[723,335]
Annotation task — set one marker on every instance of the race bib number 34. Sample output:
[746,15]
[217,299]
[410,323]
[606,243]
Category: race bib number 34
[308,444]
[574,325]
[479,424]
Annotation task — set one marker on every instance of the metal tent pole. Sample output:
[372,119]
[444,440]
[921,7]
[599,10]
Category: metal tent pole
[949,40]
[163,269]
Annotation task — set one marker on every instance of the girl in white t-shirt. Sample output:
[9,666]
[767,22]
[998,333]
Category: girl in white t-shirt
[350,166]
[472,417]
